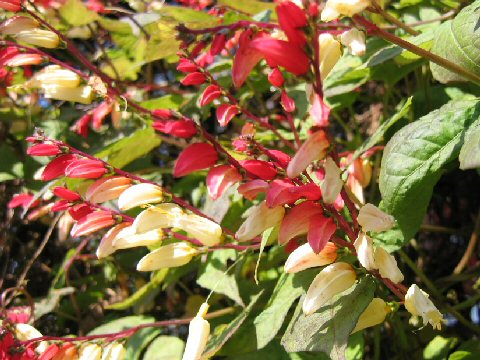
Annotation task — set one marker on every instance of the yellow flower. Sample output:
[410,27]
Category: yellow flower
[127,238]
[81,94]
[90,352]
[303,257]
[260,218]
[314,148]
[371,218]
[417,303]
[364,247]
[374,314]
[54,75]
[171,255]
[332,184]
[335,8]
[39,37]
[354,39]
[164,215]
[332,280]
[114,351]
[24,332]
[206,231]
[140,194]
[330,52]
[387,265]
[198,332]
[15,24]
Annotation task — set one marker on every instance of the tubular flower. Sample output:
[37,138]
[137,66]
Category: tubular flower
[108,188]
[106,244]
[171,255]
[354,39]
[332,184]
[24,332]
[315,148]
[85,169]
[297,221]
[417,303]
[330,52]
[303,257]
[320,231]
[127,238]
[259,219]
[81,94]
[225,113]
[220,178]
[198,332]
[38,37]
[90,352]
[251,189]
[371,218]
[246,58]
[374,314]
[364,247]
[54,75]
[15,24]
[160,216]
[57,166]
[208,232]
[387,265]
[44,150]
[335,8]
[276,77]
[11,5]
[140,194]
[262,169]
[292,19]
[333,279]
[11,56]
[92,222]
[114,351]
[195,157]
[179,128]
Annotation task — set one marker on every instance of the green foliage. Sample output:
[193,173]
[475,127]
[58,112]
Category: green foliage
[165,348]
[76,13]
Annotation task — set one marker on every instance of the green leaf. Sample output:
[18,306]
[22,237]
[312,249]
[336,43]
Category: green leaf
[50,302]
[415,158]
[251,7]
[135,343]
[457,41]
[470,152]
[165,348]
[76,13]
[215,278]
[10,167]
[127,149]
[328,329]
[382,129]
[171,101]
[147,291]
[439,348]
[464,355]
[289,288]
[217,340]
[190,17]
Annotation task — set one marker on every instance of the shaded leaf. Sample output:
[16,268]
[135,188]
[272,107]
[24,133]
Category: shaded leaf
[165,348]
[439,348]
[470,152]
[50,302]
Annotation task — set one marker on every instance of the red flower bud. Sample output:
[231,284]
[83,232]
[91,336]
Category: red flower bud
[220,178]
[23,200]
[10,5]
[164,114]
[186,66]
[280,157]
[179,128]
[297,221]
[291,19]
[195,157]
[85,169]
[218,44]
[92,222]
[61,205]
[287,102]
[57,166]
[320,231]
[313,10]
[225,113]
[211,93]
[198,49]
[99,114]
[81,125]
[194,78]
[276,77]
[245,59]
[79,211]
[240,145]
[320,111]
[264,170]
[44,150]
[251,189]
[66,194]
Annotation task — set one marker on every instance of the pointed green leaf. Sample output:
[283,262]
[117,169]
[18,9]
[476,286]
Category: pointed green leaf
[76,13]
[470,153]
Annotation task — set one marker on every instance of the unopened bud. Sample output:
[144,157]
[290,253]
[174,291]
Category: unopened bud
[81,94]
[364,247]
[108,188]
[171,255]
[332,280]
[332,184]
[106,244]
[161,216]
[354,39]
[260,218]
[314,148]
[371,218]
[127,238]
[198,332]
[15,24]
[335,8]
[54,75]
[374,314]
[387,265]
[417,303]
[90,352]
[140,194]
[330,52]
[304,257]
[38,37]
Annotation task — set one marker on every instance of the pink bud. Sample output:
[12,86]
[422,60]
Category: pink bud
[211,93]
[100,113]
[186,66]
[262,169]
[23,200]
[276,78]
[225,113]
[292,19]
[320,111]
[287,102]
[240,145]
[92,222]
[81,125]
[297,221]
[164,114]
[57,166]
[10,5]
[314,148]
[61,205]
[79,211]
[279,194]
[218,44]
[85,169]
[313,10]
[66,194]
[320,232]
[108,188]
[198,48]
[11,56]
[194,78]
[180,128]
[195,157]
[246,58]
[251,189]
[44,150]
[220,178]
[280,157]
[40,211]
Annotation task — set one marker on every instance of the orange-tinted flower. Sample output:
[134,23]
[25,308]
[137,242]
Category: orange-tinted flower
[92,222]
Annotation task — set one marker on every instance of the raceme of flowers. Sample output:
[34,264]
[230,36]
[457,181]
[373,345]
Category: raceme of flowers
[302,191]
